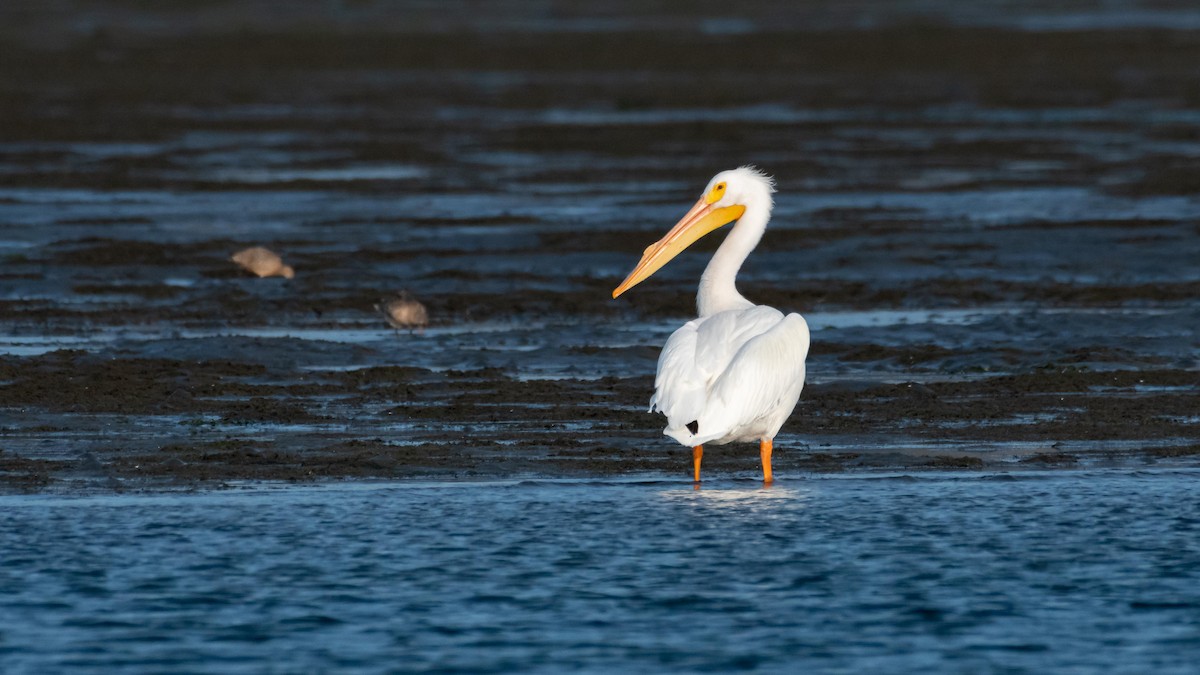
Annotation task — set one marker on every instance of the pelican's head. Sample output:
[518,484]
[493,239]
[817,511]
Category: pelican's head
[726,198]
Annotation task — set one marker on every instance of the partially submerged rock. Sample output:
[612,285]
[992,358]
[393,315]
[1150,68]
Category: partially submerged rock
[263,263]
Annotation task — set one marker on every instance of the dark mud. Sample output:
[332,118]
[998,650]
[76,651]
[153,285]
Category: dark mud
[992,223]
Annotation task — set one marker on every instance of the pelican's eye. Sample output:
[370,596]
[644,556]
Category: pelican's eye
[715,194]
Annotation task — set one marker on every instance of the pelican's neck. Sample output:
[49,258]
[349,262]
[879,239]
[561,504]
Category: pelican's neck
[718,292]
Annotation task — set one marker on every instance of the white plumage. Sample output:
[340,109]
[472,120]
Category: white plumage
[735,376]
[735,373]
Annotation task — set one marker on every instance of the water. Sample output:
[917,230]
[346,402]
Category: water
[1028,572]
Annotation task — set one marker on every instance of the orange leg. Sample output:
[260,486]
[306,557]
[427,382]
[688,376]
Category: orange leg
[697,455]
[764,449]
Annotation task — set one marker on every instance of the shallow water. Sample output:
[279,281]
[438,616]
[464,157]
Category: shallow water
[971,573]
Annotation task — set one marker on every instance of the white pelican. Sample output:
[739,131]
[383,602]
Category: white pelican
[733,374]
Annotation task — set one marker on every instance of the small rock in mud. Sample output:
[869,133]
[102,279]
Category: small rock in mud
[263,262]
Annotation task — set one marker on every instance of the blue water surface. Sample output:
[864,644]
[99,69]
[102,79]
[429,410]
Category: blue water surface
[1033,572]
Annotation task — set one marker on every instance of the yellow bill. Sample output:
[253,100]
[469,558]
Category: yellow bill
[699,221]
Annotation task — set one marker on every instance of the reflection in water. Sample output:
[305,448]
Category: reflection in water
[767,493]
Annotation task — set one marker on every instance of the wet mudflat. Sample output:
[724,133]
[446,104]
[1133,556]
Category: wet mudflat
[990,221]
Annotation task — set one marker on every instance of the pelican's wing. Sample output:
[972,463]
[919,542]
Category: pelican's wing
[762,383]
[680,387]
[697,354]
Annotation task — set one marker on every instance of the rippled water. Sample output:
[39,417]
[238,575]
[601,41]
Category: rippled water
[970,573]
